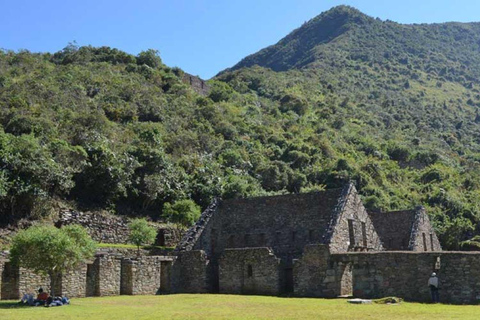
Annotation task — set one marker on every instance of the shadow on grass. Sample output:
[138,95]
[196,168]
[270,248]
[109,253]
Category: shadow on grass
[14,305]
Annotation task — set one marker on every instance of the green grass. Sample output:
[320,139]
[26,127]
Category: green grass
[207,306]
[131,246]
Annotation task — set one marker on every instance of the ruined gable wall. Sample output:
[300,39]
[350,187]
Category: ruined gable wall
[249,271]
[355,211]
[423,236]
[285,223]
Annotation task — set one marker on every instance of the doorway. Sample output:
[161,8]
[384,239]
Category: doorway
[288,280]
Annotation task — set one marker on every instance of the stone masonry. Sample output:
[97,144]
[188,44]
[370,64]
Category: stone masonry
[250,271]
[141,275]
[322,244]
[106,228]
[104,276]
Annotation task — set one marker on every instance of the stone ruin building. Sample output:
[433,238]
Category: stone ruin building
[321,244]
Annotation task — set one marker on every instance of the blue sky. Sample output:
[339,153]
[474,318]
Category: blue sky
[202,37]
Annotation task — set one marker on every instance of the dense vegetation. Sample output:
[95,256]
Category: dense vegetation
[346,97]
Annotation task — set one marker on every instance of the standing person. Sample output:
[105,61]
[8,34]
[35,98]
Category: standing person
[433,284]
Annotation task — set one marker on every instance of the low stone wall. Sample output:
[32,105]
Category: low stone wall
[141,276]
[311,274]
[17,281]
[191,273]
[249,271]
[109,275]
[106,275]
[74,282]
[29,282]
[405,274]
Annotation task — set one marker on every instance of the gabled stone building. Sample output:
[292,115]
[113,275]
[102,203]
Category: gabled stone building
[255,245]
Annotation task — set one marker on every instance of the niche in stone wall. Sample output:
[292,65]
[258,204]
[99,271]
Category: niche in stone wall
[249,271]
[351,233]
[231,241]
[364,234]
[262,241]
[424,242]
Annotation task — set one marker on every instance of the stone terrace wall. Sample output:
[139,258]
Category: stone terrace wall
[249,271]
[405,274]
[102,228]
[191,273]
[141,276]
[114,229]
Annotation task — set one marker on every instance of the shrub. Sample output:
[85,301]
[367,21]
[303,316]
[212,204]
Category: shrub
[184,212]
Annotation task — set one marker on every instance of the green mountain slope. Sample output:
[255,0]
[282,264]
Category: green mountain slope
[393,108]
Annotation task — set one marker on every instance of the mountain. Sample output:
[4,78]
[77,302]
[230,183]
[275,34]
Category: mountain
[345,34]
[393,108]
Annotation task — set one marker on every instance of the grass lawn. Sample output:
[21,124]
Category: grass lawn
[207,306]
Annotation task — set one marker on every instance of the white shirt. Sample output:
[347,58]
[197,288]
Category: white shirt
[433,281]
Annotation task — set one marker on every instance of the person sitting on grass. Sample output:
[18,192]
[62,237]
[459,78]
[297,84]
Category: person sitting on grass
[41,297]
[28,299]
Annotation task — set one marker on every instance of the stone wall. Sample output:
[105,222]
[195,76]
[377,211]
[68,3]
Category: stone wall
[103,276]
[141,276]
[101,227]
[73,283]
[353,229]
[191,273]
[109,275]
[405,274]
[29,282]
[106,228]
[199,85]
[286,223]
[249,271]
[2,267]
[17,281]
[311,274]
[423,236]
[405,230]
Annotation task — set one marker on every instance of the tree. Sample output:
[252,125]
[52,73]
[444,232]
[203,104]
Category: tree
[141,233]
[185,212]
[150,57]
[51,251]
